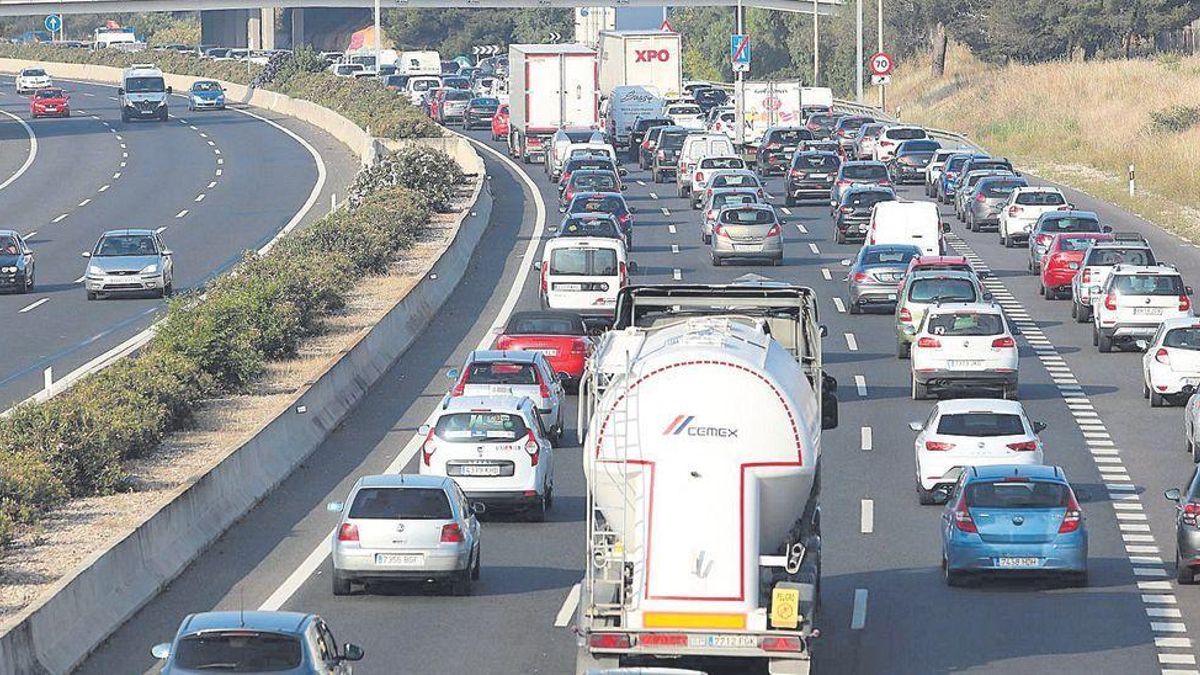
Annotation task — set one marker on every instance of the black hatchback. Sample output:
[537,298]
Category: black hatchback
[777,147]
[852,214]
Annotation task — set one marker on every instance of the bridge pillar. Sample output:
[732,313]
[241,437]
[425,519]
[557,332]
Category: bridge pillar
[268,27]
[254,30]
[224,27]
[298,27]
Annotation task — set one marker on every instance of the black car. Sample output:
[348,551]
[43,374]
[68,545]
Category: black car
[480,112]
[819,145]
[853,212]
[911,158]
[710,97]
[846,130]
[777,147]
[811,176]
[666,153]
[637,134]
[587,163]
[589,180]
[822,124]
[16,263]
[612,203]
[602,225]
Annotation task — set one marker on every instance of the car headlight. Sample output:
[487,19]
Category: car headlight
[92,269]
[8,270]
[150,269]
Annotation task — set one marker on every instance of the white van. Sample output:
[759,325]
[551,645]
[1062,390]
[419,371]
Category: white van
[583,275]
[591,148]
[695,148]
[625,106]
[418,63]
[903,222]
[419,85]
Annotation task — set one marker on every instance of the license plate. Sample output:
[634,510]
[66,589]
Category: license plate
[547,352]
[480,470]
[402,559]
[1147,311]
[818,175]
[1016,562]
[723,641]
[500,389]
[963,365]
[568,287]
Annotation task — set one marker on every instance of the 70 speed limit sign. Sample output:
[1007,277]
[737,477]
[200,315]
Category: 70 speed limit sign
[881,63]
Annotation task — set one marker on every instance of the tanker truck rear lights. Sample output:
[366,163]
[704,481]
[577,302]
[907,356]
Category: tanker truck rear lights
[609,641]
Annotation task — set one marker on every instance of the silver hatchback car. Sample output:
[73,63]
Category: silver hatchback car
[129,261]
[405,527]
[719,199]
[747,231]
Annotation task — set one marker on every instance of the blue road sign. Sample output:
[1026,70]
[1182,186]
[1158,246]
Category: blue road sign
[739,52]
[53,23]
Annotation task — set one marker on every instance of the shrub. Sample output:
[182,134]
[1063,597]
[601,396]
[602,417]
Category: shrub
[428,171]
[1174,120]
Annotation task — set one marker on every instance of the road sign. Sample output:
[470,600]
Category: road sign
[666,27]
[739,52]
[485,50]
[555,38]
[881,79]
[53,23]
[881,63]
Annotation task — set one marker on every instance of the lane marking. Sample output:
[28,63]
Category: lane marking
[642,183]
[212,185]
[786,211]
[216,151]
[676,274]
[841,306]
[851,342]
[116,175]
[813,247]
[866,438]
[665,211]
[79,280]
[33,306]
[33,150]
[200,197]
[103,188]
[567,611]
[827,274]
[802,228]
[86,202]
[671,229]
[860,383]
[674,248]
[59,219]
[220,171]
[866,523]
[653,196]
[181,213]
[858,618]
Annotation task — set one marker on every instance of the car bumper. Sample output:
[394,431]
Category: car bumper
[936,470]
[123,284]
[806,189]
[145,112]
[1188,541]
[965,379]
[505,499]
[12,281]
[664,170]
[872,294]
[726,249]
[1168,382]
[1130,331]
[1058,280]
[968,552]
[361,564]
[853,230]
[57,112]
[202,104]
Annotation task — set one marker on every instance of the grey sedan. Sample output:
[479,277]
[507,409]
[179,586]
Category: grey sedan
[1187,528]
[129,261]
[876,273]
[747,231]
[986,200]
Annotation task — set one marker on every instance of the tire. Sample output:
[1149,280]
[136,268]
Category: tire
[924,497]
[341,584]
[1145,390]
[162,117]
[953,579]
[125,117]
[840,237]
[1095,336]
[789,200]
[903,349]
[1004,241]
[1009,392]
[1157,400]
[1105,344]
[537,513]
[461,586]
[1075,310]
[477,570]
[657,177]
[716,260]
[91,295]
[970,223]
[706,238]
[1185,575]
[855,308]
[920,392]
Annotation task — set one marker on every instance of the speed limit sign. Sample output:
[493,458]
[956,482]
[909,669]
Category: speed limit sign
[881,63]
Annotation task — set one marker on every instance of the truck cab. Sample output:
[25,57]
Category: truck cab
[143,93]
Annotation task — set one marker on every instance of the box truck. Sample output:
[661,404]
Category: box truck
[550,87]
[702,518]
[626,105]
[645,58]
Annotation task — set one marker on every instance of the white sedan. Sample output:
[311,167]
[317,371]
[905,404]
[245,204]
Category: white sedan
[971,432]
[964,346]
[30,80]
[1171,364]
[1025,205]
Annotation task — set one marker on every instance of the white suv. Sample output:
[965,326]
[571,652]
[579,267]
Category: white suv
[705,169]
[964,346]
[891,138]
[971,432]
[1024,206]
[1171,364]
[1133,302]
[496,449]
[1101,257]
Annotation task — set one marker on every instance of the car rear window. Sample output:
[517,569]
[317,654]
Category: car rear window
[1075,243]
[987,165]
[946,290]
[822,121]
[1068,224]
[853,123]
[582,164]
[747,216]
[734,180]
[467,427]
[980,424]
[889,257]
[579,136]
[545,325]
[867,199]
[458,95]
[1040,199]
[1000,188]
[1114,256]
[598,205]
[683,110]
[1183,338]
[966,324]
[587,152]
[1148,284]
[864,172]
[239,651]
[722,163]
[590,227]
[584,262]
[409,503]
[672,140]
[501,372]
[955,163]
[790,136]
[924,146]
[816,162]
[871,130]
[906,134]
[1010,494]
[485,102]
[597,182]
[733,198]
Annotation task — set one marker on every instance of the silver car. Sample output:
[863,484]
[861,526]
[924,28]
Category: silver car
[1187,526]
[747,231]
[987,199]
[405,527]
[719,199]
[281,643]
[966,187]
[129,261]
[875,275]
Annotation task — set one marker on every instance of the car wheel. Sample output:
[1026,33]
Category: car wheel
[1004,241]
[924,497]
[477,570]
[920,392]
[91,295]
[537,513]
[1095,336]
[1145,390]
[1104,343]
[1183,574]
[1009,392]
[341,585]
[1157,400]
[125,117]
[953,578]
[706,238]
[840,237]
[461,586]
[1075,310]
[855,308]
[1041,289]
[716,260]
[903,349]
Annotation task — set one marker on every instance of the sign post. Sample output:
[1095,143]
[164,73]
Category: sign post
[54,24]
[881,64]
[739,56]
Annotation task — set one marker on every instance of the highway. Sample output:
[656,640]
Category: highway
[885,607]
[215,183]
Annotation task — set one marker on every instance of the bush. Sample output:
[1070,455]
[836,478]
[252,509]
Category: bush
[431,172]
[1174,120]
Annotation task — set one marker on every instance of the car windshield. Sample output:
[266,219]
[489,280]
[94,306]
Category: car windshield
[965,324]
[1114,256]
[741,216]
[33,72]
[905,134]
[614,205]
[853,123]
[238,651]
[889,256]
[545,325]
[1183,338]
[980,424]
[408,503]
[584,262]
[733,199]
[999,188]
[683,110]
[206,86]
[864,172]
[946,290]
[1068,224]
[865,199]
[871,131]
[919,146]
[1075,243]
[587,152]
[1149,284]
[50,93]
[1040,199]
[1017,494]
[142,85]
[126,244]
[458,95]
[991,166]
[822,121]
[485,103]
[790,136]
[671,140]
[598,181]
[579,136]
[501,372]
[734,180]
[722,163]
[424,85]
[590,227]
[456,82]
[467,427]
[816,162]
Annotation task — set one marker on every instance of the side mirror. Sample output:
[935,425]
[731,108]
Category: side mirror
[633,267]
[453,374]
[988,296]
[163,649]
[562,209]
[537,265]
[910,330]
[1172,494]
[1038,427]
[335,507]
[916,426]
[945,227]
[823,330]
[170,90]
[352,652]
[120,91]
[86,254]
[552,229]
[624,188]
[424,429]
[1141,344]
[168,252]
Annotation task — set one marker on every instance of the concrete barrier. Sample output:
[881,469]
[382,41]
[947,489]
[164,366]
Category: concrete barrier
[59,630]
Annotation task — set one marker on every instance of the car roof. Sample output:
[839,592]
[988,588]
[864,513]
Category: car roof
[980,307]
[1181,322]
[1037,188]
[863,162]
[10,232]
[1036,471]
[403,480]
[126,231]
[275,622]
[942,274]
[502,403]
[1144,269]
[965,405]
[513,355]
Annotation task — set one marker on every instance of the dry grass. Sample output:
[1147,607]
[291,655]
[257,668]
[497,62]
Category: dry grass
[1082,123]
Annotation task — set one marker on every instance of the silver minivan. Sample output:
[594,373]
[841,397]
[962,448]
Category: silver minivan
[747,231]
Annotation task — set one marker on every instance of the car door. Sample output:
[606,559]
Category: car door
[552,382]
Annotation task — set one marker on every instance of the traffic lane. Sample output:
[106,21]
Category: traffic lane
[254,557]
[13,135]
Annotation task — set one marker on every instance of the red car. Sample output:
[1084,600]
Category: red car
[923,263]
[500,123]
[49,103]
[560,336]
[1062,259]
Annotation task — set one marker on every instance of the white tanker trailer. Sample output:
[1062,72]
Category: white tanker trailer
[704,409]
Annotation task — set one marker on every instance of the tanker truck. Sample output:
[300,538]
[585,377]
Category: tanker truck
[703,409]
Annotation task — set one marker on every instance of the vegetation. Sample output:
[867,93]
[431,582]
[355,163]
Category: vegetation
[453,32]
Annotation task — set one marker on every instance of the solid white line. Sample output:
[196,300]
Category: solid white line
[865,436]
[851,342]
[841,306]
[33,150]
[181,213]
[567,611]
[677,275]
[29,308]
[861,383]
[813,247]
[866,523]
[858,619]
[60,218]
[79,280]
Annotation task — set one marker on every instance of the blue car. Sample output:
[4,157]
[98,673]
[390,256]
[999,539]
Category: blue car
[1013,519]
[206,95]
[948,180]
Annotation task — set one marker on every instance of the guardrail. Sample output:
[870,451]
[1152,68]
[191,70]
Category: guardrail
[940,134]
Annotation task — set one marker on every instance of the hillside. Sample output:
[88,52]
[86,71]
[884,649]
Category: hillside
[1079,123]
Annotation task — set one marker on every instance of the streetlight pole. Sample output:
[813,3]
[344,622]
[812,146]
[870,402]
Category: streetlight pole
[740,91]
[379,40]
[879,46]
[816,44]
[858,64]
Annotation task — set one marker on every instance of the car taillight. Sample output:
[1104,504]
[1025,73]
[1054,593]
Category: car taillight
[1184,302]
[905,315]
[624,218]
[712,213]
[936,446]
[1162,356]
[428,448]
[579,345]
[885,182]
[1004,342]
[929,342]
[348,532]
[774,231]
[962,518]
[543,388]
[662,154]
[843,182]
[623,270]
[860,277]
[1190,511]
[503,342]
[1043,239]
[1110,302]
[569,193]
[532,449]
[545,282]
[886,144]
[719,230]
[1023,446]
[1073,517]
[847,209]
[1087,275]
[1014,210]
[698,177]
[980,198]
[452,534]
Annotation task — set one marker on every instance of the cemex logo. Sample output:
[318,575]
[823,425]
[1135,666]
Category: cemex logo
[647,55]
[683,424]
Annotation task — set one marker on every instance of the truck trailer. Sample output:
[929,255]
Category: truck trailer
[550,87]
[650,59]
[704,408]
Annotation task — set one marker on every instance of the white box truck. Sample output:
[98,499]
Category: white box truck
[645,58]
[626,105]
[550,87]
[418,63]
[703,519]
[778,104]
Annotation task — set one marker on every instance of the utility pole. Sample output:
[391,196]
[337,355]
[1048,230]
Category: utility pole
[858,64]
[878,46]
[739,91]
[816,45]
[379,39]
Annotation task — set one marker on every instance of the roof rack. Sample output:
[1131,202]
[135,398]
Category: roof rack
[1128,236]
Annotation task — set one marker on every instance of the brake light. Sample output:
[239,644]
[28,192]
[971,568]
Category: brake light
[719,230]
[860,277]
[624,218]
[452,534]
[929,342]
[905,315]
[623,270]
[1190,511]
[843,182]
[936,446]
[428,448]
[579,345]
[712,213]
[608,641]
[962,518]
[532,449]
[1043,239]
[545,283]
[979,197]
[847,209]
[1087,275]
[885,182]
[1073,517]
[1184,303]
[1024,446]
[1162,356]
[543,388]
[1110,302]
[348,532]
[503,342]
[1014,210]
[1005,342]
[782,644]
[698,177]
[886,143]
[569,193]
[462,380]
[774,231]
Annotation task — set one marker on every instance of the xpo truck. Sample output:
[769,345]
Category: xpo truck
[703,519]
[550,87]
[649,59]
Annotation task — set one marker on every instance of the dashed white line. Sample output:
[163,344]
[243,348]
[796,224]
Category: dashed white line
[60,218]
[220,171]
[220,160]
[653,195]
[813,247]
[827,274]
[30,235]
[86,202]
[118,136]
[116,175]
[786,211]
[202,134]
[33,306]
[674,248]
[200,197]
[642,183]
[665,211]
[866,523]
[211,143]
[212,185]
[181,213]
[866,439]
[841,306]
[860,383]
[103,188]
[851,342]
[802,228]
[671,229]
[677,274]
[858,618]
[216,151]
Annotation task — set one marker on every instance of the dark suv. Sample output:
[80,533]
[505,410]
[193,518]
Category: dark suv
[777,147]
[666,154]
[853,213]
[637,133]
[811,176]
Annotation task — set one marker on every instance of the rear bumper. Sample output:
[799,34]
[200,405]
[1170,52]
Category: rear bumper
[505,499]
[969,553]
[1129,331]
[806,189]
[360,564]
[965,379]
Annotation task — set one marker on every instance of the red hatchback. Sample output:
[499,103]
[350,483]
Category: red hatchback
[560,336]
[1062,260]
[500,123]
[939,263]
[49,103]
